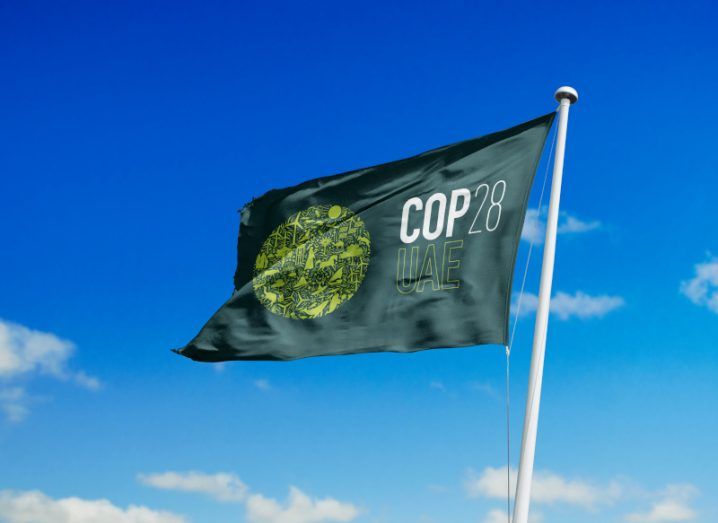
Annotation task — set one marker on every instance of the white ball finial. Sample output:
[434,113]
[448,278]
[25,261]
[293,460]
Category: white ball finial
[566,92]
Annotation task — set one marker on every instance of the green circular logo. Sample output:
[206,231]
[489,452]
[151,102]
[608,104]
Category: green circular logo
[312,263]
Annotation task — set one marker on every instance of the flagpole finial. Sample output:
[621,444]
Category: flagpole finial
[566,92]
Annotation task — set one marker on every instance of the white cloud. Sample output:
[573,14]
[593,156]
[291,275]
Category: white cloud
[27,352]
[36,507]
[24,351]
[548,488]
[223,486]
[499,516]
[491,483]
[578,305]
[551,488]
[227,487]
[437,385]
[496,516]
[263,384]
[571,225]
[85,380]
[13,403]
[669,505]
[534,229]
[673,504]
[583,305]
[299,508]
[702,289]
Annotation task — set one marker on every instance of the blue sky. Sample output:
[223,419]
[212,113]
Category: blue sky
[132,133]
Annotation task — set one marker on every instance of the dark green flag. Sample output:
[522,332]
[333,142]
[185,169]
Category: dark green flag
[409,255]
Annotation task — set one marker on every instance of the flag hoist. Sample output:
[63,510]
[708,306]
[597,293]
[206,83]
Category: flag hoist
[566,96]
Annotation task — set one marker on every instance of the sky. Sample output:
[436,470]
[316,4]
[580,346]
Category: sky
[132,132]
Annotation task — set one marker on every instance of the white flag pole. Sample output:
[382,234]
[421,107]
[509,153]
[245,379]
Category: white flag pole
[565,96]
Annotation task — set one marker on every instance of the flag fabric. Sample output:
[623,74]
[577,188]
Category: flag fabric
[404,256]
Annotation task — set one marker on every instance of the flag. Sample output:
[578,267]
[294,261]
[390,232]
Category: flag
[409,255]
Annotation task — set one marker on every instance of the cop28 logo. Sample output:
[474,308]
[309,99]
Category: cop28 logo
[312,263]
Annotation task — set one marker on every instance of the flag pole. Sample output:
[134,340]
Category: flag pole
[566,96]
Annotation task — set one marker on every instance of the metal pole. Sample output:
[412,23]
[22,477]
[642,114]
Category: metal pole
[565,96]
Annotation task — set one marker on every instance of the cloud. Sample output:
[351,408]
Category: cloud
[579,305]
[23,350]
[669,505]
[672,505]
[86,381]
[263,384]
[499,516]
[486,388]
[548,488]
[534,229]
[437,385]
[299,508]
[226,487]
[223,486]
[491,483]
[36,507]
[26,352]
[496,516]
[583,305]
[571,225]
[13,403]
[702,289]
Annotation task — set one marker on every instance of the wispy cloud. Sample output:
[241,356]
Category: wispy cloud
[569,224]
[672,504]
[222,486]
[227,487]
[669,505]
[499,516]
[299,508]
[548,488]
[27,352]
[14,404]
[36,507]
[582,305]
[263,384]
[486,388]
[702,289]
[534,229]
[437,385]
[578,305]
[83,379]
[496,516]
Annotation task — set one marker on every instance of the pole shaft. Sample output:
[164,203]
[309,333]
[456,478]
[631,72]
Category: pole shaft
[533,400]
